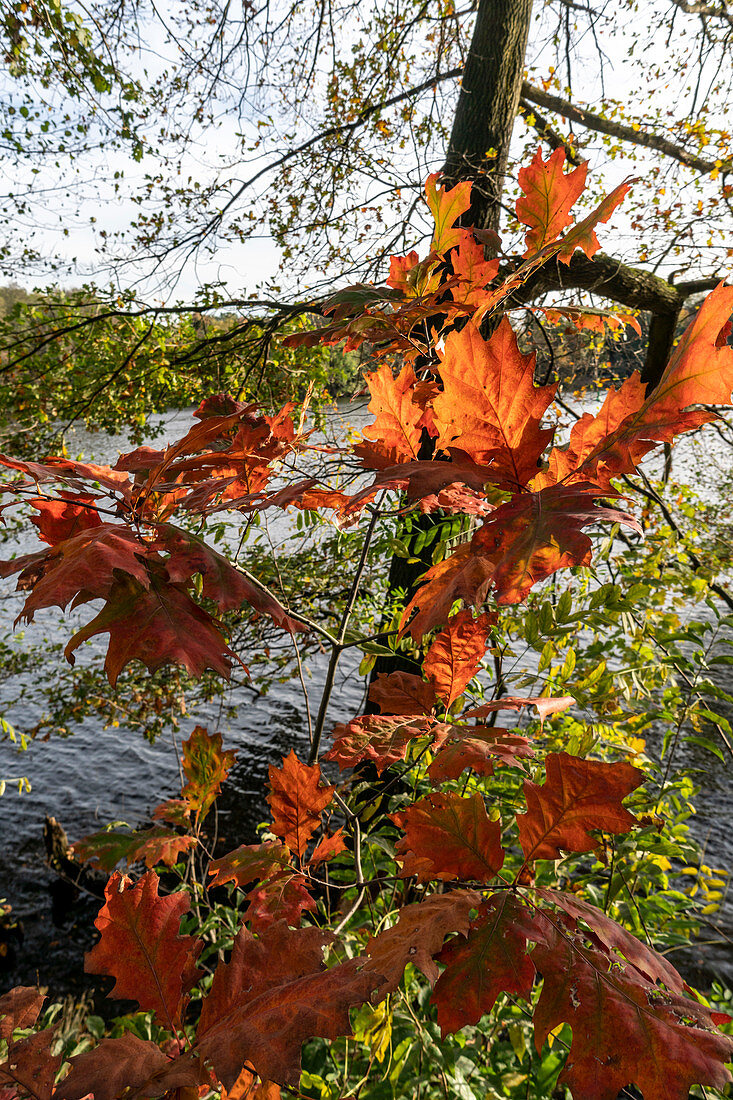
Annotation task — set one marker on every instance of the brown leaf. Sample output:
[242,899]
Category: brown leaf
[577,795]
[19,1008]
[449,837]
[625,1031]
[383,740]
[271,997]
[418,936]
[140,947]
[116,1065]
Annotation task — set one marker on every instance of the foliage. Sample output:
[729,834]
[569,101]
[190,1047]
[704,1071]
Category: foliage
[62,365]
[496,862]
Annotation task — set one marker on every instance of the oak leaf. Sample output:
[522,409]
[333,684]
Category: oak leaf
[381,739]
[327,848]
[140,947]
[205,767]
[156,625]
[478,748]
[128,1063]
[549,194]
[401,693]
[249,863]
[67,515]
[19,1008]
[394,437]
[297,799]
[625,1031]
[417,936]
[447,206]
[30,1066]
[282,896]
[449,837]
[271,997]
[492,960]
[577,795]
[490,409]
[455,654]
[654,967]
[110,846]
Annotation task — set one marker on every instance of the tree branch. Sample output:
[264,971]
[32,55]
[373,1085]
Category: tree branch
[601,125]
[709,11]
[539,123]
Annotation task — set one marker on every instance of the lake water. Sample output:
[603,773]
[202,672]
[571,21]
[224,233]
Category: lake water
[100,775]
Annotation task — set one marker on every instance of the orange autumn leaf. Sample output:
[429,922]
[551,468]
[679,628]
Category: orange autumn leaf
[297,799]
[490,409]
[449,837]
[141,948]
[549,194]
[394,436]
[455,654]
[447,206]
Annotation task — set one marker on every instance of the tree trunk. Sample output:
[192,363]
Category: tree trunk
[478,151]
[487,106]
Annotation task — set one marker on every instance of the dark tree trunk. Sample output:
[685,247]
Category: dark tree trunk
[487,106]
[478,150]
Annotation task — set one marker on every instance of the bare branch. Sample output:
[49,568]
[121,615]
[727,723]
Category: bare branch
[595,122]
[533,118]
[709,11]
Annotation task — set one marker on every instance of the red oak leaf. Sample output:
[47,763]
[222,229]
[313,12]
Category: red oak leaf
[68,515]
[140,947]
[536,534]
[249,863]
[205,767]
[158,625]
[394,437]
[492,960]
[271,997]
[381,739]
[545,705]
[490,409]
[84,567]
[116,1065]
[110,846]
[19,1008]
[447,206]
[249,1087]
[282,897]
[577,795]
[456,653]
[449,837]
[647,961]
[327,848]
[297,799]
[401,693]
[465,575]
[418,936]
[478,748]
[625,1031]
[227,586]
[549,193]
[399,272]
